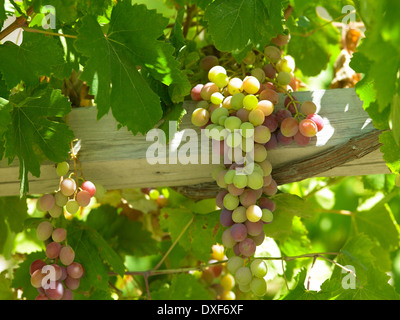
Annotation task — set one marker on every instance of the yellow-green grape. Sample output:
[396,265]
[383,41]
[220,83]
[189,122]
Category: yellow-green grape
[221,80]
[250,102]
[283,65]
[228,295]
[221,120]
[220,180]
[219,133]
[72,206]
[258,286]
[61,200]
[259,74]
[251,85]
[227,103]
[154,194]
[56,211]
[267,216]
[234,263]
[256,117]
[62,168]
[260,153]
[247,144]
[243,275]
[272,53]
[247,130]
[237,101]
[240,181]
[232,123]
[254,213]
[266,166]
[219,112]
[284,78]
[262,134]
[308,107]
[250,58]
[234,139]
[239,215]
[217,98]
[200,117]
[255,181]
[231,202]
[229,176]
[258,268]
[235,86]
[214,72]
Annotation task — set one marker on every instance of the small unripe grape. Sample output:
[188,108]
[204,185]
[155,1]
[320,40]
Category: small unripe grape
[72,206]
[44,230]
[62,168]
[243,275]
[284,78]
[258,286]
[267,215]
[258,268]
[59,234]
[46,202]
[53,250]
[231,202]
[272,53]
[200,117]
[61,200]
[68,187]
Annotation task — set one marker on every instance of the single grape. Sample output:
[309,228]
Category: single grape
[262,134]
[227,239]
[234,263]
[37,278]
[72,206]
[233,190]
[218,252]
[301,140]
[195,92]
[219,112]
[255,181]
[308,107]
[46,202]
[250,102]
[89,187]
[271,122]
[36,265]
[281,40]
[72,283]
[258,239]
[207,90]
[67,255]
[271,189]
[238,232]
[221,80]
[259,74]
[282,114]
[60,199]
[208,62]
[221,195]
[226,218]
[258,286]
[251,85]
[243,275]
[267,215]
[289,127]
[235,86]
[215,71]
[258,268]
[254,213]
[260,153]
[308,128]
[266,107]
[239,215]
[53,250]
[44,230]
[56,211]
[248,198]
[240,181]
[284,78]
[317,119]
[269,70]
[228,282]
[247,247]
[250,58]
[272,53]
[68,295]
[266,203]
[256,117]
[232,123]
[200,117]
[266,167]
[68,187]
[62,168]
[217,98]
[254,228]
[237,100]
[243,114]
[59,234]
[83,198]
[75,270]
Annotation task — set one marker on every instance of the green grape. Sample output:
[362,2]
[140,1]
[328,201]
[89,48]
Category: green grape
[62,168]
[254,213]
[272,53]
[266,167]
[260,153]
[240,181]
[247,145]
[239,215]
[284,78]
[231,202]
[250,102]
[247,129]
[258,268]
[72,206]
[232,123]
[222,120]
[234,263]
[234,140]
[244,287]
[308,107]
[214,72]
[217,113]
[221,80]
[243,275]
[258,286]
[235,86]
[262,134]
[219,133]
[255,180]
[217,98]
[250,58]
[259,74]
[256,117]
[237,101]
[267,216]
[229,176]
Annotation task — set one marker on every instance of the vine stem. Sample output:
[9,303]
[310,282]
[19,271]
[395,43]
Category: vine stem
[48,33]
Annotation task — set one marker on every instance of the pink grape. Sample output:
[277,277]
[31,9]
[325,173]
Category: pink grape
[289,127]
[272,143]
[41,296]
[83,198]
[266,106]
[318,120]
[258,239]
[53,250]
[36,265]
[44,230]
[282,139]
[269,70]
[75,270]
[89,187]
[247,247]
[46,202]
[67,255]
[72,283]
[227,240]
[59,234]
[234,190]
[301,140]
[282,114]
[64,273]
[68,295]
[236,249]
[56,293]
[68,187]
[267,180]
[254,228]
[308,128]
[271,122]
[220,198]
[271,189]
[269,94]
[195,93]
[37,278]
[238,232]
[208,89]
[226,218]
[243,114]
[248,198]
[266,203]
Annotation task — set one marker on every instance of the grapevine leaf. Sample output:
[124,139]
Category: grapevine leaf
[234,23]
[37,56]
[14,211]
[390,150]
[300,292]
[2,11]
[395,118]
[112,66]
[6,293]
[33,128]
[183,287]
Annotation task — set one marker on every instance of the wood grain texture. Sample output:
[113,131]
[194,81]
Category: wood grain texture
[348,145]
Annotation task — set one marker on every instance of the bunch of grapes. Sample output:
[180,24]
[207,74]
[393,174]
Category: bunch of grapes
[241,118]
[58,275]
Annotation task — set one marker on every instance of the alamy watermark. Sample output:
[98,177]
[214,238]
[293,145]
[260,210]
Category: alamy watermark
[49,20]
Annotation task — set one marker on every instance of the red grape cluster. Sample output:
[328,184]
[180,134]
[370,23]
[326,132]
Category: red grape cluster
[240,117]
[58,274]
